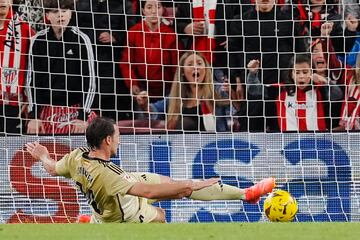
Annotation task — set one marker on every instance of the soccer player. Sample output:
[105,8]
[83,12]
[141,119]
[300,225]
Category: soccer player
[118,196]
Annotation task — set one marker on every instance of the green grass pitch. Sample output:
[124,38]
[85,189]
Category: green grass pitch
[183,231]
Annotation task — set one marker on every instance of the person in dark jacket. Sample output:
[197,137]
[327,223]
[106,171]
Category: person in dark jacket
[267,34]
[150,60]
[62,75]
[311,14]
[196,31]
[106,23]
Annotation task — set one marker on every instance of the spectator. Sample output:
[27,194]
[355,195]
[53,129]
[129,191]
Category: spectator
[14,44]
[106,22]
[191,103]
[267,34]
[350,116]
[203,26]
[353,39]
[62,76]
[311,16]
[300,105]
[31,12]
[149,62]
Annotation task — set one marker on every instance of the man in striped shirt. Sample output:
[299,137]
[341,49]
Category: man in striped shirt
[14,47]
[118,196]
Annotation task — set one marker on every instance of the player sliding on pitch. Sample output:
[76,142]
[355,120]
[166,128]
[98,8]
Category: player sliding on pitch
[118,196]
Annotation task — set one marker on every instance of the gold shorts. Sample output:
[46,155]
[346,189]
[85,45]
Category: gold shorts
[146,214]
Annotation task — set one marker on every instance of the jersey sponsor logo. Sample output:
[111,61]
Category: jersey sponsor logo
[295,105]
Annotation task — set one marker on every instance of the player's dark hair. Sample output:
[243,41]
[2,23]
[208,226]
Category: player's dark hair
[98,130]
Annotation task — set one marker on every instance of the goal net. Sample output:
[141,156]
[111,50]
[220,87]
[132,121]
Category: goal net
[240,90]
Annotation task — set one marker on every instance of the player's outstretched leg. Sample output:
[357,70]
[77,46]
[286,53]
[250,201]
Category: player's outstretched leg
[253,194]
[222,191]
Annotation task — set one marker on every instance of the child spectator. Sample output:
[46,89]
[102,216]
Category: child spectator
[149,62]
[301,103]
[267,34]
[14,47]
[62,75]
[191,103]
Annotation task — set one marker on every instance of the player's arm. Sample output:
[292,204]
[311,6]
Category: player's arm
[40,152]
[173,190]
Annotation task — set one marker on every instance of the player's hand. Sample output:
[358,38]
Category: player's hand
[37,150]
[205,183]
[35,126]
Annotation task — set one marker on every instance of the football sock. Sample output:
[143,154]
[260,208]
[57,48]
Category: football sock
[218,191]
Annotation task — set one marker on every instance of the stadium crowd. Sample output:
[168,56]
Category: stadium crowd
[179,65]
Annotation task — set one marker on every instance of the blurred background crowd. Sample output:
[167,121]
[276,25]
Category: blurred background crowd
[180,65]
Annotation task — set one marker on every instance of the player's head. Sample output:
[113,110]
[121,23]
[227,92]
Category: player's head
[103,134]
[58,12]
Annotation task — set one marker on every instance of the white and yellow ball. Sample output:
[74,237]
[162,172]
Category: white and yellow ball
[280,206]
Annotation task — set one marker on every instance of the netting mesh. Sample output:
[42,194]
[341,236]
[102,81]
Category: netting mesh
[182,78]
[320,170]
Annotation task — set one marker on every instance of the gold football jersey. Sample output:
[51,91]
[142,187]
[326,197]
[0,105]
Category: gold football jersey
[103,183]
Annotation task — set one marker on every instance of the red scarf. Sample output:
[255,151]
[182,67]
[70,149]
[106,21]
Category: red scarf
[205,11]
[304,13]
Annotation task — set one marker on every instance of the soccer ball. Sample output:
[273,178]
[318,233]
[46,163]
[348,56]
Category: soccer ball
[280,206]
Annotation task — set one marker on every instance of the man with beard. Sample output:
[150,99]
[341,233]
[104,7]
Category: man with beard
[118,196]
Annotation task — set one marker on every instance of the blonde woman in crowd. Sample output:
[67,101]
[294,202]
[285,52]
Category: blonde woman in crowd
[191,103]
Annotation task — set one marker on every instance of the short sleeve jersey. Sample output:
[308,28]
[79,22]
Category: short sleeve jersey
[103,183]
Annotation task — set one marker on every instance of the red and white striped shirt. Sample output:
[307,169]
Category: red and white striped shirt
[302,112]
[14,48]
[350,114]
[205,11]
